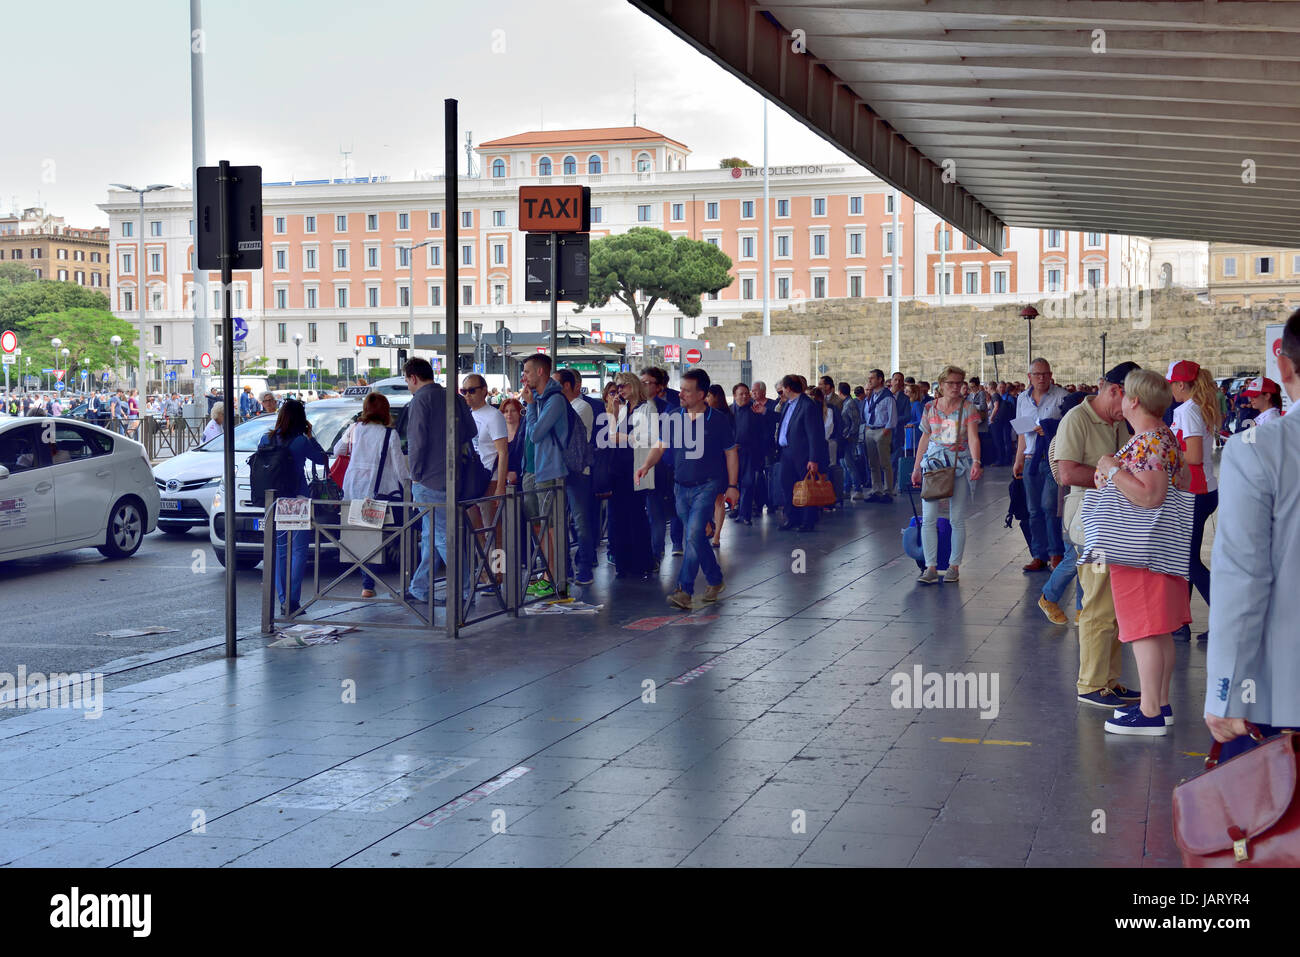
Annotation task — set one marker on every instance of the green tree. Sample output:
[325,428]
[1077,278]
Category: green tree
[733,161]
[20,302]
[86,334]
[651,261]
[14,273]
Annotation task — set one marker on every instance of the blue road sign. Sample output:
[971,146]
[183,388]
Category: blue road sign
[241,328]
[478,367]
[105,376]
[312,377]
[85,374]
[58,387]
[47,372]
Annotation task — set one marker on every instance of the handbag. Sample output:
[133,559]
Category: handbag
[339,469]
[1117,532]
[814,491]
[322,486]
[1244,812]
[941,483]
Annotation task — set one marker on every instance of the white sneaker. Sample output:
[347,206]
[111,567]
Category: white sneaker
[952,575]
[928,577]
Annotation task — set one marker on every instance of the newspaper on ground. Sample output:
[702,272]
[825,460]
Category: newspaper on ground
[136,632]
[302,636]
[562,606]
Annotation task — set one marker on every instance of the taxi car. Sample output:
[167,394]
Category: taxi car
[67,484]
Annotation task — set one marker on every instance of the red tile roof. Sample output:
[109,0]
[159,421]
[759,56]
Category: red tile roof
[591,137]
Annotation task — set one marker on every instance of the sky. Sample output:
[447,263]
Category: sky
[106,90]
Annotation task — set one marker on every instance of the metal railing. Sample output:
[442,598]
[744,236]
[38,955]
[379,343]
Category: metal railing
[517,544]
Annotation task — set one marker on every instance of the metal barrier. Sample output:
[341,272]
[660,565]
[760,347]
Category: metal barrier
[164,438]
[513,544]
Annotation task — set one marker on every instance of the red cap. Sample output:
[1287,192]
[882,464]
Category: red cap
[1184,371]
[1261,385]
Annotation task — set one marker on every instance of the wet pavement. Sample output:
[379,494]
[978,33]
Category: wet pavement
[760,731]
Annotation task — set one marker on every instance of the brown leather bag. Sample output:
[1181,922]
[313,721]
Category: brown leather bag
[815,491]
[1243,813]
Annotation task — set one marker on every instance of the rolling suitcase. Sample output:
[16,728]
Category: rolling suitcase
[912,546]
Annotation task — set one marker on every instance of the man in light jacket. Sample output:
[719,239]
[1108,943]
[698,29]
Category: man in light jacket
[1253,660]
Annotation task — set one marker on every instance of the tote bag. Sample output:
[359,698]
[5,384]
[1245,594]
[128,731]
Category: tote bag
[1117,532]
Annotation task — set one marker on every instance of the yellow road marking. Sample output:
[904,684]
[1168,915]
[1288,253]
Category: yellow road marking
[1014,744]
[1195,754]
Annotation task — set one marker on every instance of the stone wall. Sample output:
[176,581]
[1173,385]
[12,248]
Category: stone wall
[1151,329]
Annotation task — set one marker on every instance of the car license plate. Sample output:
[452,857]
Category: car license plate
[258,523]
[169,505]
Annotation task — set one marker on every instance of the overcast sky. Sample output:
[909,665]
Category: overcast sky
[100,92]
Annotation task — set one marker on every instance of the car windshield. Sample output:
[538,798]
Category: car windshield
[327,426]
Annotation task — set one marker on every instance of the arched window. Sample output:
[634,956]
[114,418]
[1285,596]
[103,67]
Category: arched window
[593,164]
[643,163]
[544,166]
[498,167]
[570,166]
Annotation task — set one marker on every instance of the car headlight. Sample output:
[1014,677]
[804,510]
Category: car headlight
[212,483]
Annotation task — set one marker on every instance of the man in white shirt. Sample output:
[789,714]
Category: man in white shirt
[491,442]
[1041,401]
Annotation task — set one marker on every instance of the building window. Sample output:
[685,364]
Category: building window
[889,243]
[889,284]
[889,202]
[498,217]
[372,257]
[279,224]
[967,242]
[95,278]
[128,228]
[819,206]
[467,255]
[1094,239]
[79,255]
[403,220]
[405,328]
[95,258]
[1094,278]
[63,275]
[155,228]
[1053,239]
[746,247]
[282,299]
[1263,265]
[309,224]
[945,239]
[281,364]
[467,295]
[855,205]
[374,328]
[435,297]
[155,262]
[58,254]
[747,209]
[570,166]
[341,258]
[499,294]
[79,277]
[281,260]
[711,210]
[544,166]
[855,244]
[498,254]
[126,260]
[311,300]
[642,215]
[746,289]
[678,212]
[1053,280]
[597,214]
[372,222]
[404,295]
[498,168]
[341,223]
[128,301]
[311,326]
[435,255]
[819,287]
[435,220]
[372,297]
[1000,281]
[343,332]
[783,247]
[404,256]
[819,244]
[467,219]
[643,163]
[341,297]
[593,165]
[972,283]
[855,286]
[281,332]
[783,287]
[782,208]
[309,260]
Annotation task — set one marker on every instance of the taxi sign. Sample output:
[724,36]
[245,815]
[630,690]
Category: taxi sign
[356,390]
[555,209]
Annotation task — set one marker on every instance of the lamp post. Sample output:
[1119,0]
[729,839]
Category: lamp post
[117,341]
[65,353]
[297,359]
[410,288]
[983,336]
[139,290]
[1103,355]
[162,371]
[315,365]
[1029,314]
[356,357]
[817,365]
[148,369]
[54,344]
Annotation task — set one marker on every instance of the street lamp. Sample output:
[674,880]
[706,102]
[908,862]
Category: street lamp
[983,336]
[139,291]
[817,364]
[54,344]
[297,358]
[410,287]
[315,362]
[65,354]
[117,341]
[356,357]
[1029,314]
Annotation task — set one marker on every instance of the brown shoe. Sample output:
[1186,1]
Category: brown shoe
[713,591]
[679,599]
[1052,610]
[1056,560]
[1037,565]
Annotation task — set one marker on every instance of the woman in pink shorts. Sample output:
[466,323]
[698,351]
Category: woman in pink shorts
[1149,606]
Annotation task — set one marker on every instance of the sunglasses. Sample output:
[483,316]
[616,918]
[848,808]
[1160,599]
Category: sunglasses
[470,390]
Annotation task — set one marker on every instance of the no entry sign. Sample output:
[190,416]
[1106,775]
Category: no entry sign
[693,356]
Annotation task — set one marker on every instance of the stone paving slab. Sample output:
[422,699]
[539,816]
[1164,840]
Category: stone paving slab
[771,739]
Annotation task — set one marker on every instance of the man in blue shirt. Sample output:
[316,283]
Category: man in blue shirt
[904,412]
[880,415]
[707,460]
[660,509]
[1042,400]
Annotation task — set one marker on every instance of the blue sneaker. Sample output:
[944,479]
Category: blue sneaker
[1166,712]
[1136,722]
[1105,698]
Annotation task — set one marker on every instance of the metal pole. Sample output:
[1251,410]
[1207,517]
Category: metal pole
[140,289]
[1103,355]
[451,159]
[555,303]
[198,154]
[767,235]
[943,260]
[228,420]
[893,299]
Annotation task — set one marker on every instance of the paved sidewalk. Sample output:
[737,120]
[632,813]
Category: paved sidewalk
[771,739]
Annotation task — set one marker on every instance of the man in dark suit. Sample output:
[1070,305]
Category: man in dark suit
[801,438]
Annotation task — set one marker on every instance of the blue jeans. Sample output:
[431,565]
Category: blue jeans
[748,478]
[582,508]
[850,461]
[1062,575]
[1044,525]
[659,509]
[301,540]
[424,496]
[695,509]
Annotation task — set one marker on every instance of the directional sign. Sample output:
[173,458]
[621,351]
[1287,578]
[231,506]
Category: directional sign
[555,209]
[693,356]
[8,341]
[241,328]
[8,359]
[47,371]
[85,374]
[105,376]
[177,362]
[58,386]
[240,345]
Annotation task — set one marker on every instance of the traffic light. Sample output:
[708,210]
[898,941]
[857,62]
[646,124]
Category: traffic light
[402,356]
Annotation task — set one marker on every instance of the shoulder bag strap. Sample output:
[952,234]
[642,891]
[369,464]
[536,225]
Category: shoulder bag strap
[383,458]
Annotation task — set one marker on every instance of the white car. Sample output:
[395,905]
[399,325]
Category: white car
[66,484]
[188,482]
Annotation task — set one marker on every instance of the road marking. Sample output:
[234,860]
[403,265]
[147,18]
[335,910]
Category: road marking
[1013,744]
[472,797]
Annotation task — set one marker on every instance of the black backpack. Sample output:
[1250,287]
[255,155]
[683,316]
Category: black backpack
[578,453]
[272,468]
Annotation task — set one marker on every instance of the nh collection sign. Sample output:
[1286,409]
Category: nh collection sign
[738,171]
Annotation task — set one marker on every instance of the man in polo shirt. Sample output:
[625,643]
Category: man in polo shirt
[1041,401]
[707,460]
[880,415]
[1092,429]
